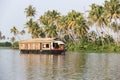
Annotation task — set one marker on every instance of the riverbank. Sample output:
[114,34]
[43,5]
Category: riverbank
[5,44]
[89,47]
[14,45]
[93,48]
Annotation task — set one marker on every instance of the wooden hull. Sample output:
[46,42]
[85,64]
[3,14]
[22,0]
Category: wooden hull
[43,51]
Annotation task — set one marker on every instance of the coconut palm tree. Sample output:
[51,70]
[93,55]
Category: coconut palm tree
[70,23]
[35,30]
[44,24]
[112,9]
[30,11]
[41,32]
[71,17]
[3,37]
[49,21]
[29,25]
[51,30]
[12,39]
[112,13]
[96,17]
[14,30]
[77,25]
[56,21]
[81,28]
[53,15]
[22,32]
[62,27]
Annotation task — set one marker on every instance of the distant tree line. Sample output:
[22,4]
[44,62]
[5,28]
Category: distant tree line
[5,44]
[14,45]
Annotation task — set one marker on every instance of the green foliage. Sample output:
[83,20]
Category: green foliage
[99,45]
[30,11]
[2,37]
[73,28]
[15,45]
[5,44]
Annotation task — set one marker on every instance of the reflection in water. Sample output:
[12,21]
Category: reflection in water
[52,67]
[43,66]
[71,66]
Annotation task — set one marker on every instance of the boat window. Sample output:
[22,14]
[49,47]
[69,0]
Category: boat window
[55,45]
[45,45]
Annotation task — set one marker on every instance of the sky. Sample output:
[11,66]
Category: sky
[12,11]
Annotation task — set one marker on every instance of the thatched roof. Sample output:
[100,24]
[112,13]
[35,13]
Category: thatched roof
[37,40]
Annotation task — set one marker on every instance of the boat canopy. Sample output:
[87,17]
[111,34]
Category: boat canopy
[59,42]
[38,40]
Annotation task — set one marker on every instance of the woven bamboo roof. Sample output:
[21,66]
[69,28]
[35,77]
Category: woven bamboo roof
[37,40]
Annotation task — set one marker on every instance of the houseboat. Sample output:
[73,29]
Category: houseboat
[42,45]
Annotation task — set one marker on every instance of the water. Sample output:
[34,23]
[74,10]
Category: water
[71,66]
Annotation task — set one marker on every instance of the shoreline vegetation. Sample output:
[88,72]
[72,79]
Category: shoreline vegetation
[76,28]
[14,45]
[85,47]
[93,48]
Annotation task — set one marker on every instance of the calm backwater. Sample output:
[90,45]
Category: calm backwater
[71,66]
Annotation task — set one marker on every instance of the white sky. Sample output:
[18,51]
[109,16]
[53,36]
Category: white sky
[12,11]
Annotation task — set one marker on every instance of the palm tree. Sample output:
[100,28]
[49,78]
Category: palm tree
[49,22]
[77,25]
[112,9]
[55,19]
[22,32]
[51,30]
[12,39]
[112,13]
[35,30]
[62,28]
[3,37]
[14,30]
[96,17]
[29,25]
[70,23]
[30,11]
[81,28]
[41,32]
[53,15]
[72,16]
